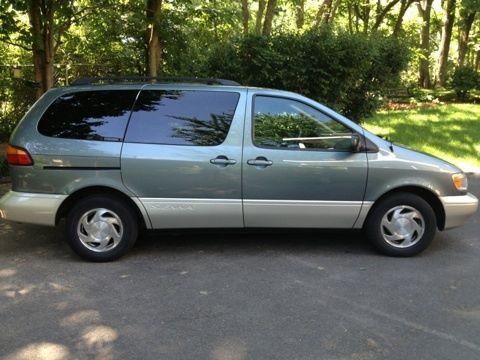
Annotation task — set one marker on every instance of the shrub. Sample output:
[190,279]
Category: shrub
[464,79]
[16,96]
[344,71]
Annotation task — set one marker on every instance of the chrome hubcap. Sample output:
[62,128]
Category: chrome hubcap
[402,226]
[100,230]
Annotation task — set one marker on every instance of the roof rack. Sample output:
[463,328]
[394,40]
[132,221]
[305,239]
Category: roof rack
[151,79]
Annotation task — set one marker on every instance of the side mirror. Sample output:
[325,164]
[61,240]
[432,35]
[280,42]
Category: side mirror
[355,143]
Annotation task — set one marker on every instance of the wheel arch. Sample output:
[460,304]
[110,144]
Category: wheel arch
[426,194]
[101,190]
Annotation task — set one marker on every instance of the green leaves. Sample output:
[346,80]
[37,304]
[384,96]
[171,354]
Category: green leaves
[342,70]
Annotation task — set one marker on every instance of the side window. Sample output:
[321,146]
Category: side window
[182,117]
[290,124]
[89,115]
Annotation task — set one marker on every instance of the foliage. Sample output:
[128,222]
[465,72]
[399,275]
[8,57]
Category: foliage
[345,71]
[450,132]
[16,96]
[465,79]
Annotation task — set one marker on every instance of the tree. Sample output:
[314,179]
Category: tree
[154,50]
[269,14]
[425,9]
[259,19]
[245,16]
[299,13]
[447,28]
[48,22]
[468,12]
[382,11]
[404,6]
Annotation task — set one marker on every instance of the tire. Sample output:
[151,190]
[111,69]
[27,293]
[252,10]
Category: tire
[101,228]
[402,224]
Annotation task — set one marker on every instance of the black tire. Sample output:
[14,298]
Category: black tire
[393,208]
[119,219]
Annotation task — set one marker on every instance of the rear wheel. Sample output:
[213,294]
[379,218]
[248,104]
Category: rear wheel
[401,225]
[101,228]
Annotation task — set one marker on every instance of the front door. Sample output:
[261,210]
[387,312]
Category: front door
[182,156]
[298,167]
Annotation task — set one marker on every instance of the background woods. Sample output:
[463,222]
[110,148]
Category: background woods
[325,49]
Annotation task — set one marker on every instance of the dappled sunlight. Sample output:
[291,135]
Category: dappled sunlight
[40,351]
[98,340]
[13,291]
[81,318]
[4,273]
[230,349]
[98,336]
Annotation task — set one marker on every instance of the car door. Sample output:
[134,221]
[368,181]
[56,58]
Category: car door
[298,166]
[182,155]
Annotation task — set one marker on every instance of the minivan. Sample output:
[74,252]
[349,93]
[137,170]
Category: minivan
[114,156]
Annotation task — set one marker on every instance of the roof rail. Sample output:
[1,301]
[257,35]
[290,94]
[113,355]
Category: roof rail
[151,79]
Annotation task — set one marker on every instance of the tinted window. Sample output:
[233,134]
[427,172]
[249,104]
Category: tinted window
[182,117]
[92,115]
[289,124]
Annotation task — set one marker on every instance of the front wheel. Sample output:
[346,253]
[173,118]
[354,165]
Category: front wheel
[401,225]
[101,228]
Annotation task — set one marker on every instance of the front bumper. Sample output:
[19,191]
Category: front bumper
[30,208]
[458,209]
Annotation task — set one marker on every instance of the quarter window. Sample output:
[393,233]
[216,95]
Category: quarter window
[89,115]
[182,117]
[289,124]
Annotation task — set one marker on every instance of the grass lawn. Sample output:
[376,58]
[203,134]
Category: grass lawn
[451,132]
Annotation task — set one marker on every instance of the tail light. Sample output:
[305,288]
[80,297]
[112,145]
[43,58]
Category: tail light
[18,156]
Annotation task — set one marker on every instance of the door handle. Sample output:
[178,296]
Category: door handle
[260,161]
[222,161]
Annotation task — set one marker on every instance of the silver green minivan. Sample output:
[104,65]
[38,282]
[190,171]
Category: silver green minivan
[114,158]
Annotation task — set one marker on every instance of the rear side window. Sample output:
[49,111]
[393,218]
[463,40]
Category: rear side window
[182,117]
[89,115]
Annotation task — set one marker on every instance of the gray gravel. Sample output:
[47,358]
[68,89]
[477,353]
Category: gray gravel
[224,295]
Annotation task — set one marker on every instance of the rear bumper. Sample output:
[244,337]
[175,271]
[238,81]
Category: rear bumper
[30,208]
[458,209]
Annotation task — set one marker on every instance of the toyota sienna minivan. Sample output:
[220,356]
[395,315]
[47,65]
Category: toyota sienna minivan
[112,157]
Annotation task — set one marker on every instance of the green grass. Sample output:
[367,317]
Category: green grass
[451,132]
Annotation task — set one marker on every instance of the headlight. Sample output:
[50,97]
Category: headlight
[460,181]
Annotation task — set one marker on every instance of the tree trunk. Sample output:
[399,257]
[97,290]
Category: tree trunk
[447,28]
[323,13]
[382,12]
[424,70]
[154,50]
[37,45]
[258,22]
[269,14]
[245,16]
[464,36]
[350,20]
[404,5]
[333,12]
[300,13]
[41,15]
[49,46]
[366,18]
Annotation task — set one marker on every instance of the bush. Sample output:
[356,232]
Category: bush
[344,71]
[464,79]
[16,96]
